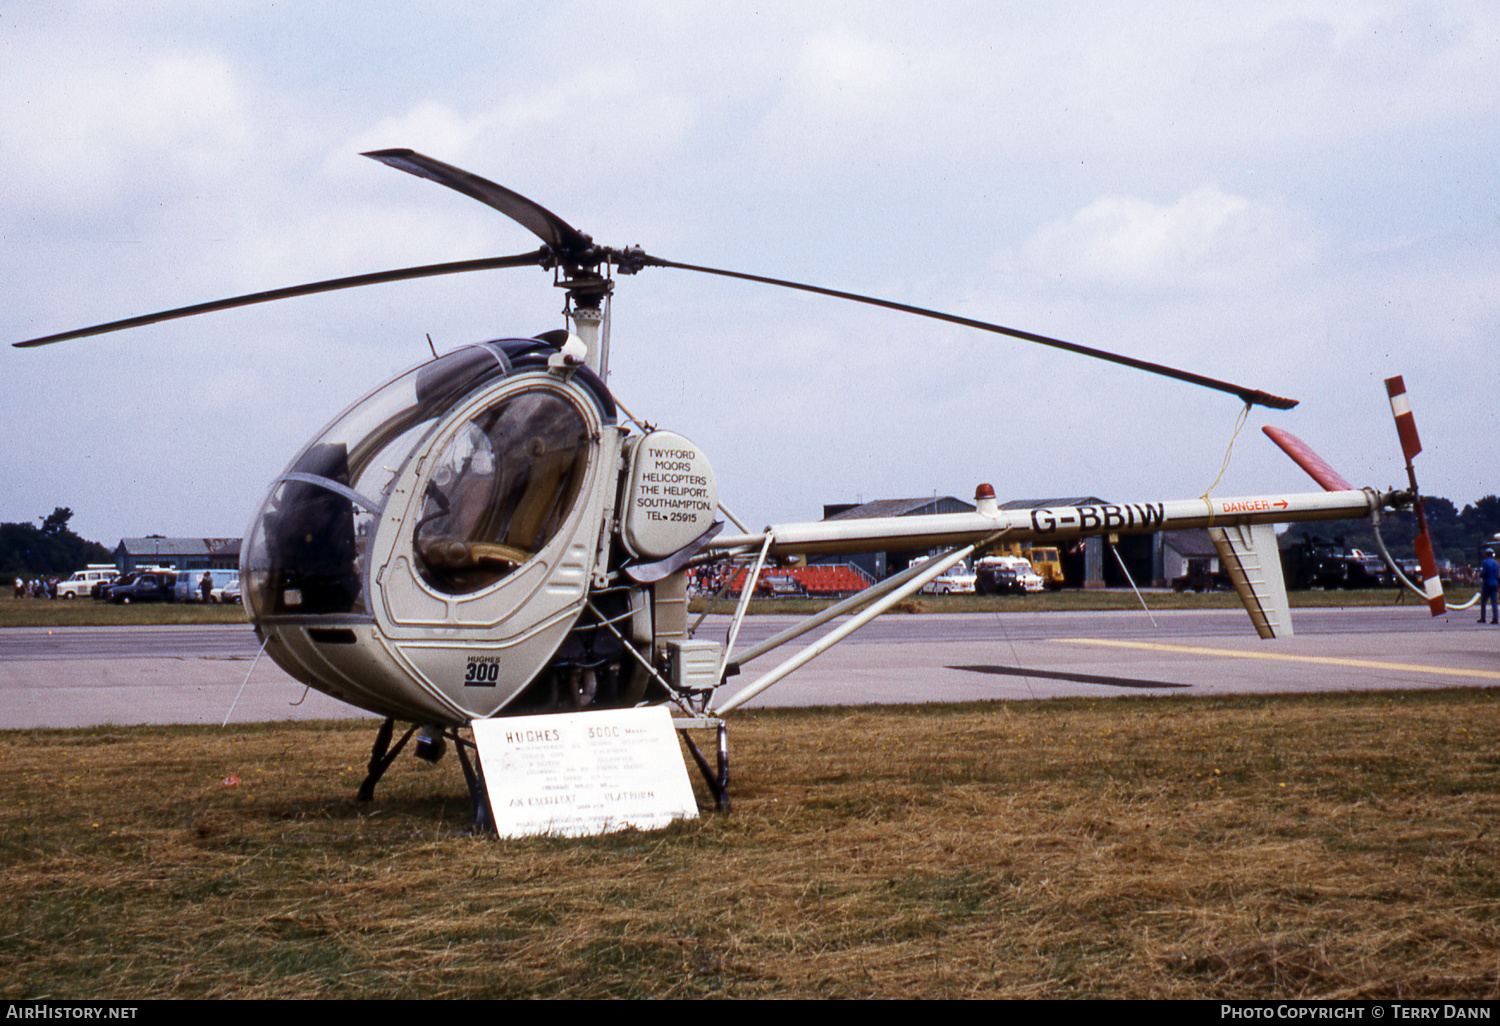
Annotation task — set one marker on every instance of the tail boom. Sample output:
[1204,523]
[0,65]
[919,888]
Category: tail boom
[1060,523]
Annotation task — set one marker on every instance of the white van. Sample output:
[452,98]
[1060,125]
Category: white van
[82,582]
[958,579]
[189,586]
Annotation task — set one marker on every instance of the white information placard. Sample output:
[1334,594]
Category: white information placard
[576,774]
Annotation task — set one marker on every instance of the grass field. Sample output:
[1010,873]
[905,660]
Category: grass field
[85,612]
[88,613]
[1290,847]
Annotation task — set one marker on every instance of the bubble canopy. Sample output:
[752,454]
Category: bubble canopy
[505,479]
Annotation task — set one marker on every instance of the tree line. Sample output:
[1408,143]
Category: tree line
[1457,535]
[51,550]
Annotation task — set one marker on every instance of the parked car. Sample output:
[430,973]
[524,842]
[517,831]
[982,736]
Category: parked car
[228,592]
[189,586]
[1007,575]
[147,586]
[1200,578]
[100,591]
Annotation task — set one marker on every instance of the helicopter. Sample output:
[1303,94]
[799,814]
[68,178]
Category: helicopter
[492,534]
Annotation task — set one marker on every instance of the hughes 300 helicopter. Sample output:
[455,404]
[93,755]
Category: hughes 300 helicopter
[490,534]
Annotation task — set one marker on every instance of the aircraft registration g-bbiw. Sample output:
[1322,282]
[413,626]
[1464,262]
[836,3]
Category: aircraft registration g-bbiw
[491,534]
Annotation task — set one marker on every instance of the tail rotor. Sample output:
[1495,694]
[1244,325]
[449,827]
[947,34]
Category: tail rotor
[1406,428]
[1431,587]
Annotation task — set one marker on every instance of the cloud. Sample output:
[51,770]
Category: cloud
[81,132]
[1207,239]
[1342,73]
[601,112]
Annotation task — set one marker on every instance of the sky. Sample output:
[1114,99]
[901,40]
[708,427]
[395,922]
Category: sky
[1299,197]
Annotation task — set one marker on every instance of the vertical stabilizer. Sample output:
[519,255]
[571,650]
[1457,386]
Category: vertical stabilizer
[1250,557]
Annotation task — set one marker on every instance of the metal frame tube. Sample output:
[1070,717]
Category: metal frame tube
[751,580]
[930,570]
[854,602]
[1126,571]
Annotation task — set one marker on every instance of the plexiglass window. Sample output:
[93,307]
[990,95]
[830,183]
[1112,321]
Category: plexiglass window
[307,553]
[499,491]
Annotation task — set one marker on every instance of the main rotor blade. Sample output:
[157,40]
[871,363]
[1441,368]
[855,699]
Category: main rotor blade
[536,257]
[538,220]
[1249,395]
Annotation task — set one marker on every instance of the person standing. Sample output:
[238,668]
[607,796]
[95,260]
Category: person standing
[1489,586]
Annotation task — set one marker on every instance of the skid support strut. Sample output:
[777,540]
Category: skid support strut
[382,754]
[479,794]
[717,780]
[381,757]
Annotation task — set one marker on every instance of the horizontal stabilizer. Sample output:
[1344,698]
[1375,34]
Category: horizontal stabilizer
[1250,557]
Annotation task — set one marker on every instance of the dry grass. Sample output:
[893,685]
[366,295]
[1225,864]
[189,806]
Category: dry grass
[85,612]
[1330,846]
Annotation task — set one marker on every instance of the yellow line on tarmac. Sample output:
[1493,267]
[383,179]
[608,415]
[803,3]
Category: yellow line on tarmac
[1367,664]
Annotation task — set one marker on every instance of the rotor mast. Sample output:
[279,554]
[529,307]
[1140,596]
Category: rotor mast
[587,309]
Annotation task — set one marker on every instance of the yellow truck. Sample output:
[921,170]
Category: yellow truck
[1044,559]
